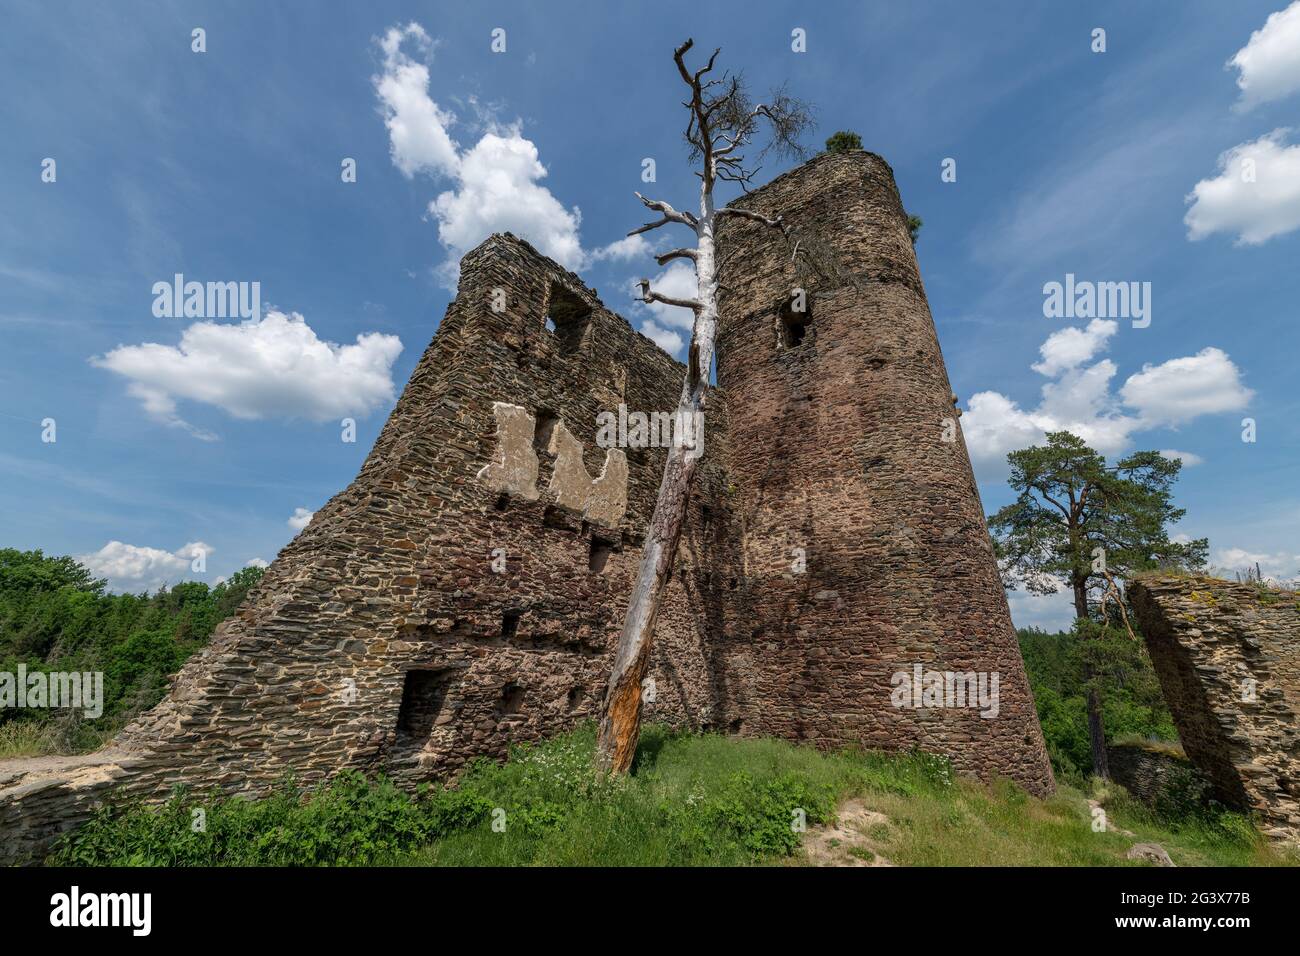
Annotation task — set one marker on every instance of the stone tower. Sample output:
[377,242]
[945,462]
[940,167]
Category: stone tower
[847,460]
[467,589]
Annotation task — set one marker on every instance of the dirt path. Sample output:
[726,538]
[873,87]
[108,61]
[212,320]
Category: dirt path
[849,841]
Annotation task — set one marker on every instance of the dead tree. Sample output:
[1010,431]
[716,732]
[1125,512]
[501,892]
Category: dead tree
[723,122]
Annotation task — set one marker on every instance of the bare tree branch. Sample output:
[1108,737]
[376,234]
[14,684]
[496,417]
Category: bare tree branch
[669,213]
[664,259]
[650,225]
[648,295]
[777,223]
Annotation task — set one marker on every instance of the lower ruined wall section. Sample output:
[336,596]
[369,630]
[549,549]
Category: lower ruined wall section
[1228,658]
[1150,771]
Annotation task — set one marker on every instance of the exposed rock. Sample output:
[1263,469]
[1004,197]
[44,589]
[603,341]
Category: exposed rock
[1153,853]
[848,841]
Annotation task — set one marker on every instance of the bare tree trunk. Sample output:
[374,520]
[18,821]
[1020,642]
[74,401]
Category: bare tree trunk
[1096,732]
[1096,729]
[722,122]
[620,725]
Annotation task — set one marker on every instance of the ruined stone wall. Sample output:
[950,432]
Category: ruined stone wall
[1228,659]
[382,638]
[840,459]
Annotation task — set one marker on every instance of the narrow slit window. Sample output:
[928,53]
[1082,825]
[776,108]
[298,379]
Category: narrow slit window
[510,623]
[796,322]
[600,552]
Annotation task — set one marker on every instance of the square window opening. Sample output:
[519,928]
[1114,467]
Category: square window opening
[512,700]
[424,695]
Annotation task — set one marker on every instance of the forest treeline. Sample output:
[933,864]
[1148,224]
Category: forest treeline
[1132,703]
[55,616]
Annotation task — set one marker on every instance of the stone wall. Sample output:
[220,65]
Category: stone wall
[1228,659]
[1150,771]
[467,589]
[428,615]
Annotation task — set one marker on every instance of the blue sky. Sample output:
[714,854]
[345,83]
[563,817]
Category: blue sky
[225,166]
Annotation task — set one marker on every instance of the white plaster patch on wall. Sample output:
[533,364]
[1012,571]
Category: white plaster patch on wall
[514,468]
[570,483]
[607,502]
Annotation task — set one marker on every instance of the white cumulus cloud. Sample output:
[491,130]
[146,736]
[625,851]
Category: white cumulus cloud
[669,326]
[498,191]
[1186,457]
[257,563]
[1181,389]
[300,518]
[129,567]
[273,367]
[1080,399]
[623,250]
[1048,612]
[1255,195]
[1071,347]
[496,181]
[668,340]
[1268,66]
[677,282]
[417,126]
[1279,566]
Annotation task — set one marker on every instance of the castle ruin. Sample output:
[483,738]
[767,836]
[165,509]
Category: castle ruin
[466,591]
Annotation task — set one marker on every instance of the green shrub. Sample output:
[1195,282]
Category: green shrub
[843,141]
[764,818]
[1183,794]
[350,821]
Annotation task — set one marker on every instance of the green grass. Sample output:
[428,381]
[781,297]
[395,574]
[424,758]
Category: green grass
[26,738]
[692,800]
[66,735]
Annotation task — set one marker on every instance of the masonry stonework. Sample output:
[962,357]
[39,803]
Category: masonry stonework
[1228,658]
[466,591]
